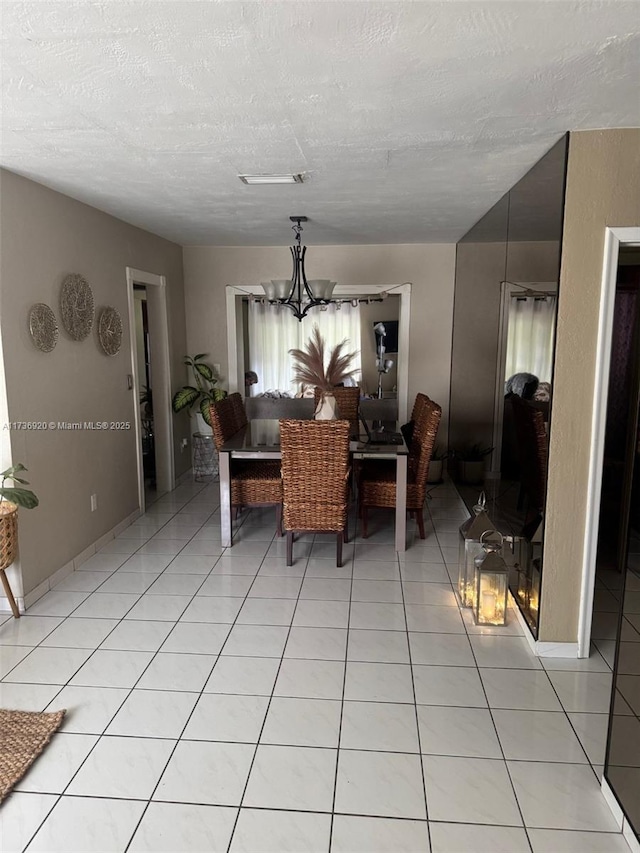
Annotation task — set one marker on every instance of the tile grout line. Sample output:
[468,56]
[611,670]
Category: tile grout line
[494,726]
[342,697]
[417,719]
[266,714]
[99,737]
[102,734]
[200,694]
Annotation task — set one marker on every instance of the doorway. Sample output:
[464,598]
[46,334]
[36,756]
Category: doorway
[616,608]
[150,383]
[617,242]
[145,400]
[619,523]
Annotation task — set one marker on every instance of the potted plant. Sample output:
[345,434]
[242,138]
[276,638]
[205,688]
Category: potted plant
[471,463]
[12,497]
[203,392]
[309,369]
[434,474]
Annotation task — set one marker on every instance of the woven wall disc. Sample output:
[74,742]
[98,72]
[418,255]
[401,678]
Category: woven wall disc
[76,306]
[110,330]
[43,327]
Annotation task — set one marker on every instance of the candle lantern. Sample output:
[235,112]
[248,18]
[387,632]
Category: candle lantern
[469,548]
[491,583]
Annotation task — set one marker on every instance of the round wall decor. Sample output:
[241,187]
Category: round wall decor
[76,306]
[43,327]
[110,330]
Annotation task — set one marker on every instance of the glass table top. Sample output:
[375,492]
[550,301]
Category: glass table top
[263,435]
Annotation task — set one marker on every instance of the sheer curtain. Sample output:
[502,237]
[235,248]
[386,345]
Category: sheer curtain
[273,331]
[530,336]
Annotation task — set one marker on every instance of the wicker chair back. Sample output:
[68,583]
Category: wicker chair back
[223,421]
[315,474]
[239,413]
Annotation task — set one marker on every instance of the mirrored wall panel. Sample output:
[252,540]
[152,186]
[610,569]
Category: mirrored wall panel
[507,271]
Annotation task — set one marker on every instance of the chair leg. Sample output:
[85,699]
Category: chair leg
[289,548]
[8,592]
[339,550]
[365,518]
[420,523]
[345,532]
[279,519]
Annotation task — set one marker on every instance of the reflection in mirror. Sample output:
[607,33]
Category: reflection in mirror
[616,607]
[507,270]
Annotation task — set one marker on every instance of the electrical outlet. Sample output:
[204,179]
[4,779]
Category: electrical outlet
[184,443]
[216,369]
[94,503]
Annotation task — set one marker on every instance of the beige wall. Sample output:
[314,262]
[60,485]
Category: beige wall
[430,268]
[44,236]
[603,189]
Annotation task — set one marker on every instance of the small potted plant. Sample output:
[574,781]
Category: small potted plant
[438,456]
[12,497]
[204,392]
[471,463]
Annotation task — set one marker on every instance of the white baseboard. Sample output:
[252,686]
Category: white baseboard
[618,814]
[543,649]
[556,650]
[24,602]
[630,837]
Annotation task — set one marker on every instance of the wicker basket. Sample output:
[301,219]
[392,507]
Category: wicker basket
[8,534]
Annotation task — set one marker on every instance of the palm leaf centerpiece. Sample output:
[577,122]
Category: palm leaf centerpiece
[309,365]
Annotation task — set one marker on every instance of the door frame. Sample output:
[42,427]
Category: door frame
[614,239]
[160,363]
[235,331]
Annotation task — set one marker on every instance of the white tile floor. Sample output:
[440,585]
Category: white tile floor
[220,701]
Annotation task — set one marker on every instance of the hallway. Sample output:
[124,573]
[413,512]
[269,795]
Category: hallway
[220,701]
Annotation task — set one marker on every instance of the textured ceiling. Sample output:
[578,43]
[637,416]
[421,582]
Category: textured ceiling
[409,119]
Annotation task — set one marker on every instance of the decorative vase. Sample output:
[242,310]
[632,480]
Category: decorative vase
[202,426]
[326,408]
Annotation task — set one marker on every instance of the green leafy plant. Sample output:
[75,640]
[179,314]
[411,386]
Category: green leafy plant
[16,494]
[309,369]
[203,392]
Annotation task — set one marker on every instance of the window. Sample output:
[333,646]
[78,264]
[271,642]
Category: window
[530,336]
[273,331]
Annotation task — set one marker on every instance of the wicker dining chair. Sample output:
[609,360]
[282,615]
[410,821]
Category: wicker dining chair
[253,482]
[239,413]
[377,481]
[348,403]
[315,479]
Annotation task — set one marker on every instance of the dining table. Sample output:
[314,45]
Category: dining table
[260,439]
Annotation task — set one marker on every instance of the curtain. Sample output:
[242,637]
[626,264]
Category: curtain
[530,336]
[273,331]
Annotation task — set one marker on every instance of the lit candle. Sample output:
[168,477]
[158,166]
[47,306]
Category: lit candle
[489,605]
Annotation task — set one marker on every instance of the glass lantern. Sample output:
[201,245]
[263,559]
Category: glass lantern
[491,584]
[469,548]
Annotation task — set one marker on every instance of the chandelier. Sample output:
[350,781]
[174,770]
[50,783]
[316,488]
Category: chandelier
[297,293]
